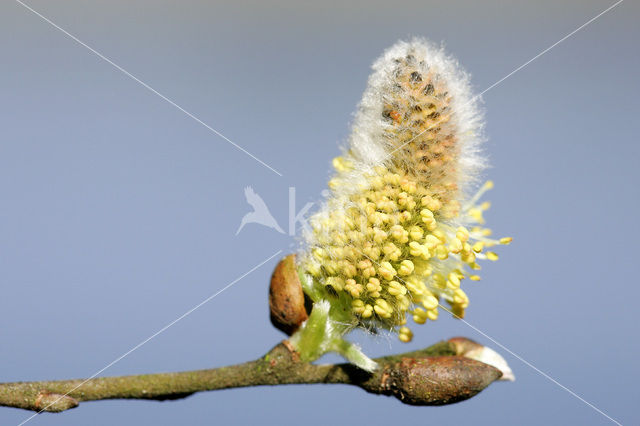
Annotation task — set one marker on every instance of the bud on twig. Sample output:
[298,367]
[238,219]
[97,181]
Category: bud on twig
[286,298]
[439,380]
[54,402]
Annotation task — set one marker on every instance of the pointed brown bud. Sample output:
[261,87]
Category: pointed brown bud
[286,298]
[439,380]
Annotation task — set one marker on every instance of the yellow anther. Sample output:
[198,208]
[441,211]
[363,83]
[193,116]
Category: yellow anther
[406,268]
[434,205]
[367,268]
[376,218]
[405,334]
[430,302]
[386,271]
[314,269]
[431,242]
[334,183]
[319,254]
[382,308]
[477,247]
[462,234]
[460,298]
[432,314]
[364,264]
[468,257]
[336,282]
[431,203]
[441,252]
[374,287]
[415,248]
[415,286]
[396,289]
[408,186]
[427,215]
[416,233]
[357,306]
[485,206]
[379,235]
[348,269]
[506,240]
[372,252]
[331,267]
[354,289]
[419,316]
[488,185]
[492,255]
[399,234]
[392,251]
[455,246]
[474,277]
[368,311]
[454,281]
[410,203]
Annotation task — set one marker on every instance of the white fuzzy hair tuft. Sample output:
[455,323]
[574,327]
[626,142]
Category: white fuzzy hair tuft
[370,148]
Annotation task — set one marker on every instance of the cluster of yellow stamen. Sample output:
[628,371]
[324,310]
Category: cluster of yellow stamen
[401,239]
[394,253]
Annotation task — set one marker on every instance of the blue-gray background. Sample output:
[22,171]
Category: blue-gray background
[118,212]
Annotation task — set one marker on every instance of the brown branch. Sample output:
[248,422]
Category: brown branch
[435,375]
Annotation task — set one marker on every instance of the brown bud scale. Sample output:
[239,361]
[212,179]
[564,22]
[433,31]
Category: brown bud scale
[286,298]
[440,380]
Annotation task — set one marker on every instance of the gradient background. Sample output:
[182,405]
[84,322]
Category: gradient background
[118,213]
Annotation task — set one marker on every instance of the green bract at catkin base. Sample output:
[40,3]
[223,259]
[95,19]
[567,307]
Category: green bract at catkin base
[399,232]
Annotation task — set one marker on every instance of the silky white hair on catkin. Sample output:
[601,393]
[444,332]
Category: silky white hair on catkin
[366,143]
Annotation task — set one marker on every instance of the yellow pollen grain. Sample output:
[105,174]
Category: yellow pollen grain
[405,334]
[492,255]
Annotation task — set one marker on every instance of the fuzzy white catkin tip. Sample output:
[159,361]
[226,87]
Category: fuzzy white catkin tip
[414,75]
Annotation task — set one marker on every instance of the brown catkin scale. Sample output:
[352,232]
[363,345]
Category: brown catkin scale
[286,298]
